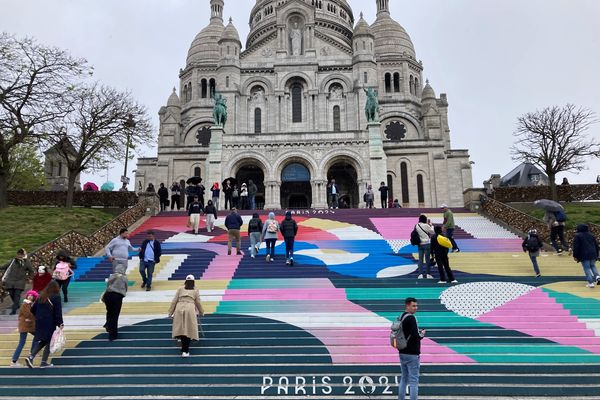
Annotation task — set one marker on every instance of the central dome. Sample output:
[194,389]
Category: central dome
[391,39]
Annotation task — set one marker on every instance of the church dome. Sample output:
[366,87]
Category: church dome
[362,28]
[205,47]
[428,92]
[391,38]
[174,100]
[230,33]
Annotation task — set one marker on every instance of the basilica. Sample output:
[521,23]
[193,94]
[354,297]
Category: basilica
[296,98]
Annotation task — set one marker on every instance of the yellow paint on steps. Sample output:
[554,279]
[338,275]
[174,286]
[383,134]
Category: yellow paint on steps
[576,288]
[513,264]
[174,285]
[149,308]
[324,224]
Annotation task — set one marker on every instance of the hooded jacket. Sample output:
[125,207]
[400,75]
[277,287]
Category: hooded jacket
[585,245]
[288,226]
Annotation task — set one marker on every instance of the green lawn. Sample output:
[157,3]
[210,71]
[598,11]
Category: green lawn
[31,227]
[577,213]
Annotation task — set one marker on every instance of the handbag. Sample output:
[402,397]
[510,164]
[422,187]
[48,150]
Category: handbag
[58,341]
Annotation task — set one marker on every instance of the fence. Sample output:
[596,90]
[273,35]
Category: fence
[80,199]
[533,193]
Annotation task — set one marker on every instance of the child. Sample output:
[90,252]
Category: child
[441,255]
[26,325]
[533,244]
[63,271]
[41,279]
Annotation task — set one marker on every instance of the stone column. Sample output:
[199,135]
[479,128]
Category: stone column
[319,198]
[272,195]
[215,155]
[377,157]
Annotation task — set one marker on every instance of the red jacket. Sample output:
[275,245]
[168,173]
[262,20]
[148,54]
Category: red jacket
[41,281]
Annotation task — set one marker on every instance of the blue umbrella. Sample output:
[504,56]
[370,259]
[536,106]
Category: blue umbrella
[108,187]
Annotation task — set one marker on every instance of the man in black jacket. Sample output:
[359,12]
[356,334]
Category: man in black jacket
[163,196]
[289,229]
[585,251]
[149,256]
[234,223]
[410,357]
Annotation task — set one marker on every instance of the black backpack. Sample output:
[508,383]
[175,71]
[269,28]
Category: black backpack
[532,244]
[415,239]
[253,225]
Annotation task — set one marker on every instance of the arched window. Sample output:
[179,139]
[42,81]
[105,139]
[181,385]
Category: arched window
[257,120]
[213,87]
[297,102]
[397,82]
[227,81]
[366,77]
[388,82]
[412,84]
[197,172]
[60,169]
[416,86]
[204,88]
[364,45]
[420,189]
[189,92]
[337,127]
[404,179]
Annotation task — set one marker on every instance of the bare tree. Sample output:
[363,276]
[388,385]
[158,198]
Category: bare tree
[102,123]
[555,140]
[35,86]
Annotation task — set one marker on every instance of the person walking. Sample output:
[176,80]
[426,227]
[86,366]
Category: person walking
[201,191]
[116,290]
[234,223]
[211,215]
[150,253]
[369,197]
[118,249]
[185,310]
[269,236]
[556,224]
[533,245]
[163,197]
[63,271]
[215,194]
[441,257]
[255,227]
[289,230]
[228,190]
[17,272]
[586,252]
[449,227]
[235,197]
[410,356]
[252,190]
[26,325]
[195,213]
[41,279]
[192,193]
[48,316]
[244,197]
[332,190]
[175,196]
[383,193]
[425,231]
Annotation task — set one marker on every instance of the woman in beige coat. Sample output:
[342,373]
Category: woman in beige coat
[184,310]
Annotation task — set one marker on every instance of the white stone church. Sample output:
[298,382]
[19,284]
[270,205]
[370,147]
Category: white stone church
[296,118]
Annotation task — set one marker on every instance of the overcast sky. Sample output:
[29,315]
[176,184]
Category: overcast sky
[496,59]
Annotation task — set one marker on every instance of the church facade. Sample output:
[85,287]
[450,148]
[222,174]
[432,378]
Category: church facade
[296,111]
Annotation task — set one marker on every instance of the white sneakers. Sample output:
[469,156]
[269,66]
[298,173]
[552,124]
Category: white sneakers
[420,276]
[454,281]
[590,285]
[15,365]
[185,355]
[429,277]
[424,276]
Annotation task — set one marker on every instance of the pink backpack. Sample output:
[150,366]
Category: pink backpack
[62,271]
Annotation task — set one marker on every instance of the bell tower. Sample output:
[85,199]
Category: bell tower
[216,9]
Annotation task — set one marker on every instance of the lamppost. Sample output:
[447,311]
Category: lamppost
[129,125]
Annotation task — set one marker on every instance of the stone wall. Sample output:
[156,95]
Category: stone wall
[533,193]
[520,222]
[80,199]
[80,245]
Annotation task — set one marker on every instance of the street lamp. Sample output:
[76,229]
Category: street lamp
[129,125]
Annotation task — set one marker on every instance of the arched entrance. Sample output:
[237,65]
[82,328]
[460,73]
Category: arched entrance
[346,179]
[296,190]
[247,172]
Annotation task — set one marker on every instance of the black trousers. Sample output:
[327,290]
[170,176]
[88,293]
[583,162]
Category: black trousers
[384,202]
[15,296]
[113,302]
[175,199]
[185,344]
[443,264]
[64,285]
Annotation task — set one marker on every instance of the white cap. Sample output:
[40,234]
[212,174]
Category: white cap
[190,278]
[444,206]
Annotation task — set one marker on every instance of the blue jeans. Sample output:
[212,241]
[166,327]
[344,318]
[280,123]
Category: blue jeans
[289,247]
[19,349]
[271,247]
[252,200]
[410,365]
[450,236]
[536,267]
[424,255]
[589,267]
[149,267]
